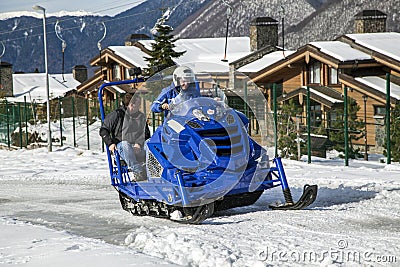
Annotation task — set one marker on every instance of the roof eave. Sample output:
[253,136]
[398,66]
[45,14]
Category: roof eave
[108,54]
[379,57]
[351,82]
[306,52]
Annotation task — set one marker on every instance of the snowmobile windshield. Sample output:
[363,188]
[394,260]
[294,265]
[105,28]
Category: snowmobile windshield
[201,108]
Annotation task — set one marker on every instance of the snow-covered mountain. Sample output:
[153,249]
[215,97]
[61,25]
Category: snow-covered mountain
[211,22]
[304,20]
[22,33]
[34,14]
[337,18]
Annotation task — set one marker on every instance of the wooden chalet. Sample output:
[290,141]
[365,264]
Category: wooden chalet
[114,63]
[358,61]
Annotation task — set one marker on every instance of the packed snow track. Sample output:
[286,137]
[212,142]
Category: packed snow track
[356,213]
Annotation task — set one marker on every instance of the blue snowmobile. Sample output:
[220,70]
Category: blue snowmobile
[201,159]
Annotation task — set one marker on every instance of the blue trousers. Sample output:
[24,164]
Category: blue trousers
[127,153]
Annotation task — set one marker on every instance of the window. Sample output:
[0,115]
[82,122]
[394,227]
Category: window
[333,116]
[333,76]
[379,111]
[315,72]
[116,72]
[316,114]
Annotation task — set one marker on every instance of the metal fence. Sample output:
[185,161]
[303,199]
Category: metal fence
[75,122]
[346,125]
[22,124]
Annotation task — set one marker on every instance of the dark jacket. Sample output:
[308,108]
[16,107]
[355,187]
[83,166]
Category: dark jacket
[117,127]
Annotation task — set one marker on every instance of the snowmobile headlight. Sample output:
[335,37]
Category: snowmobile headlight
[198,113]
[230,119]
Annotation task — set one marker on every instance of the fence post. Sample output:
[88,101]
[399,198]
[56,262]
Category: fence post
[96,112]
[26,122]
[346,129]
[98,117]
[8,126]
[20,125]
[298,137]
[101,122]
[34,112]
[87,123]
[389,152]
[73,119]
[308,126]
[60,111]
[246,109]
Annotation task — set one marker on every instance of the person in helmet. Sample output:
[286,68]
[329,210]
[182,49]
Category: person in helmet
[182,88]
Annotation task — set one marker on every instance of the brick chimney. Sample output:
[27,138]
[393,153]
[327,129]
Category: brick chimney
[370,21]
[6,79]
[79,73]
[263,32]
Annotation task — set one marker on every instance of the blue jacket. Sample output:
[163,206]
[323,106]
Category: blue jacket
[171,92]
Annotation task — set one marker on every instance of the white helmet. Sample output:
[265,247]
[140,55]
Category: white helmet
[184,73]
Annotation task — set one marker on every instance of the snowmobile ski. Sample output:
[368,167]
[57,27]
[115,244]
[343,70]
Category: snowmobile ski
[307,198]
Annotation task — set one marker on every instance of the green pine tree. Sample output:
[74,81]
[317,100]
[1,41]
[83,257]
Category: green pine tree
[162,50]
[355,126]
[287,142]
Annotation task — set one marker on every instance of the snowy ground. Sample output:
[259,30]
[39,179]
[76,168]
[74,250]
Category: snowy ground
[59,209]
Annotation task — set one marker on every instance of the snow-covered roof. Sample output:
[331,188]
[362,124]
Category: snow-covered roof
[386,43]
[340,51]
[132,54]
[324,96]
[33,86]
[119,90]
[210,50]
[213,48]
[265,61]
[379,84]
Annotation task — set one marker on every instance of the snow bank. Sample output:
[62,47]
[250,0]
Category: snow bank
[23,244]
[183,250]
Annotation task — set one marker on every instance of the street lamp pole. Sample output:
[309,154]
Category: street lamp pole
[365,98]
[49,143]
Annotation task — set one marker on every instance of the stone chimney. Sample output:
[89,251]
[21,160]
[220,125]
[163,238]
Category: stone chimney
[263,32]
[133,38]
[370,21]
[6,79]
[79,73]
